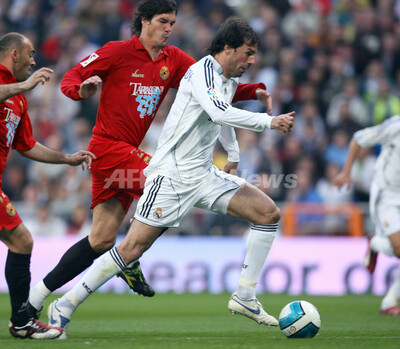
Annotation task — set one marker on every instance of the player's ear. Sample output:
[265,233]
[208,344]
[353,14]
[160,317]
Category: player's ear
[228,49]
[145,21]
[16,56]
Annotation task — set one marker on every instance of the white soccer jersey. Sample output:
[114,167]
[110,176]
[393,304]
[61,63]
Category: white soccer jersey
[387,167]
[201,107]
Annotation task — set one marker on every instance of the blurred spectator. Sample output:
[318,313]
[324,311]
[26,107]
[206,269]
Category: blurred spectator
[80,224]
[328,192]
[337,149]
[385,104]
[46,223]
[309,127]
[346,121]
[305,190]
[356,110]
[14,179]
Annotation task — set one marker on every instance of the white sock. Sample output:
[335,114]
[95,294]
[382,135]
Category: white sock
[393,294]
[382,244]
[102,270]
[258,245]
[38,294]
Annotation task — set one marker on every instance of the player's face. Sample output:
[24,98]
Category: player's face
[25,61]
[159,29]
[240,59]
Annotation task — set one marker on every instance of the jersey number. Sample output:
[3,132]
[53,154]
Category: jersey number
[11,133]
[148,104]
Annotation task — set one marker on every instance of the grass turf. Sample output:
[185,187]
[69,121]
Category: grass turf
[203,321]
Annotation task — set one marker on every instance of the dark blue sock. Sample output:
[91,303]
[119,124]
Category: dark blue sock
[72,263]
[18,278]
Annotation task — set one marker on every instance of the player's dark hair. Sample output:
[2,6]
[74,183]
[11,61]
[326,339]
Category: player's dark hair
[234,32]
[147,9]
[10,41]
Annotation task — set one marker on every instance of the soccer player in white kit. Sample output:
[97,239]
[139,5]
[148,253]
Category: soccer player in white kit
[384,202]
[182,175]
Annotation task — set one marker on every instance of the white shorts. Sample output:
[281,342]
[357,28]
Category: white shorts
[165,201]
[384,208]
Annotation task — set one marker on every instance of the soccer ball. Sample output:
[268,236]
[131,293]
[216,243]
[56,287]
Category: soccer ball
[299,319]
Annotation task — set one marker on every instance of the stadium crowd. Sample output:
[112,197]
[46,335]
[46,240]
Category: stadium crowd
[335,62]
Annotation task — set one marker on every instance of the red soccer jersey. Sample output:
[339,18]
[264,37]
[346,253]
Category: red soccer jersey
[133,86]
[15,125]
[132,92]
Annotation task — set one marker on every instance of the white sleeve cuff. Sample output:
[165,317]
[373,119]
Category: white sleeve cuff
[269,120]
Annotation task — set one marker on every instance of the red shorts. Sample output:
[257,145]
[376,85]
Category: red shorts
[117,171]
[9,218]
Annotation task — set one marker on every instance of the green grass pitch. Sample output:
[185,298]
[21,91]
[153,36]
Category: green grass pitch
[203,321]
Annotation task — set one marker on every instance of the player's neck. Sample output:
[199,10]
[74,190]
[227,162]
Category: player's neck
[221,59]
[7,62]
[153,50]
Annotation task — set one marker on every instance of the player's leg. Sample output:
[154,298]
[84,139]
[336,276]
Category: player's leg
[389,305]
[231,195]
[139,238]
[18,277]
[107,218]
[385,214]
[253,205]
[17,272]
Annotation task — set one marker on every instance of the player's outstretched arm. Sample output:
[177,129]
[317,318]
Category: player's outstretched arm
[89,87]
[265,98]
[283,122]
[343,177]
[41,153]
[40,76]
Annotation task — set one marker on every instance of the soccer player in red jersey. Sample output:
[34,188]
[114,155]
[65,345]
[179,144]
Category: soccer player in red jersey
[135,75]
[16,59]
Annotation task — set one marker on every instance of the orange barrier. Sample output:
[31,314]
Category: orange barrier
[347,216]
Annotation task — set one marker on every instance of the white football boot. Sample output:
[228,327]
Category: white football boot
[57,318]
[253,309]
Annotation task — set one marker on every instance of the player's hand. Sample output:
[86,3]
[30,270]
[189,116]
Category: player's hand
[283,122]
[82,157]
[265,98]
[89,87]
[41,75]
[231,167]
[342,178]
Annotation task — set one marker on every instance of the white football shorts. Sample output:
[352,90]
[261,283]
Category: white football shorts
[165,201]
[384,208]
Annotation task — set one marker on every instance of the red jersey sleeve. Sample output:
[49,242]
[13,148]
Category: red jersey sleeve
[184,61]
[245,92]
[98,63]
[23,139]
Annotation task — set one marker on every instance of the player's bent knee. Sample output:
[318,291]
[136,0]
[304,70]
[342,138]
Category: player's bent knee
[20,240]
[271,215]
[102,246]
[25,244]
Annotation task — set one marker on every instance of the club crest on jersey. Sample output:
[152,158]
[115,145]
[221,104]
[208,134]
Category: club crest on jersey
[164,73]
[10,209]
[158,213]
